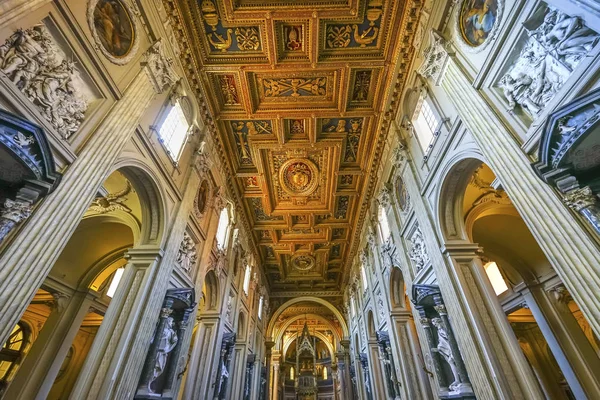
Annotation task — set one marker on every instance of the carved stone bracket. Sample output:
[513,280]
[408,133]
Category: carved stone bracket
[159,68]
[435,58]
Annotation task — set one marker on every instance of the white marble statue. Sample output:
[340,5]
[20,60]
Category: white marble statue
[166,343]
[444,349]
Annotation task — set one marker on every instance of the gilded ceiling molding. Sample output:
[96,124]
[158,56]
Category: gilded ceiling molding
[412,13]
[191,66]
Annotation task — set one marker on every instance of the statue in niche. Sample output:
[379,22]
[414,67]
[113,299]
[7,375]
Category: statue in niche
[166,344]
[444,349]
[224,376]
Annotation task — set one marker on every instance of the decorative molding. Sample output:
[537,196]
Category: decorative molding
[112,201]
[418,250]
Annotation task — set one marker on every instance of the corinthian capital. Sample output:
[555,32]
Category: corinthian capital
[159,68]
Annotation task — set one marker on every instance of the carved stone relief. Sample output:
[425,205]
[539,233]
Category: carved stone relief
[187,255]
[556,44]
[33,61]
[418,250]
[112,201]
[159,68]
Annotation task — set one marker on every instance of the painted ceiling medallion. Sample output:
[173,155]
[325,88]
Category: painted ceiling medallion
[299,177]
[303,262]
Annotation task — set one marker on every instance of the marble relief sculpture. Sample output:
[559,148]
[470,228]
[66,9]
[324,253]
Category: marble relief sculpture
[553,49]
[187,255]
[35,64]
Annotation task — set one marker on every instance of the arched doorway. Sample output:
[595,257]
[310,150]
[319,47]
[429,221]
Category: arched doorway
[80,289]
[307,333]
[514,277]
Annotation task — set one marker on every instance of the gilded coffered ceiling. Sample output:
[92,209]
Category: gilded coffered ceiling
[300,95]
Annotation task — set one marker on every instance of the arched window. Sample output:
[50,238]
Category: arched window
[363,276]
[246,285]
[174,130]
[223,227]
[325,373]
[426,123]
[260,307]
[495,276]
[12,354]
[114,283]
[292,373]
[384,224]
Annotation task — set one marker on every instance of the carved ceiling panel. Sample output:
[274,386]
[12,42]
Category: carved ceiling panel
[300,93]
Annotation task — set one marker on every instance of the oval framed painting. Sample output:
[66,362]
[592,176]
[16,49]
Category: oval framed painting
[114,29]
[478,22]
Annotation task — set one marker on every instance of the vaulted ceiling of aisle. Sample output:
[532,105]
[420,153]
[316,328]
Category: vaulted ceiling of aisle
[300,95]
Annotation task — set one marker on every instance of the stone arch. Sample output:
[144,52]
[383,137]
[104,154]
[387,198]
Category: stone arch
[151,196]
[291,302]
[241,326]
[210,291]
[291,338]
[455,176]
[371,329]
[397,288]
[290,321]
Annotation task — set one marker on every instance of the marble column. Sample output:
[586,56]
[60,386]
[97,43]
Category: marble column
[198,381]
[148,371]
[412,384]
[348,388]
[43,361]
[29,258]
[435,357]
[359,376]
[585,202]
[269,344]
[275,366]
[574,354]
[567,245]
